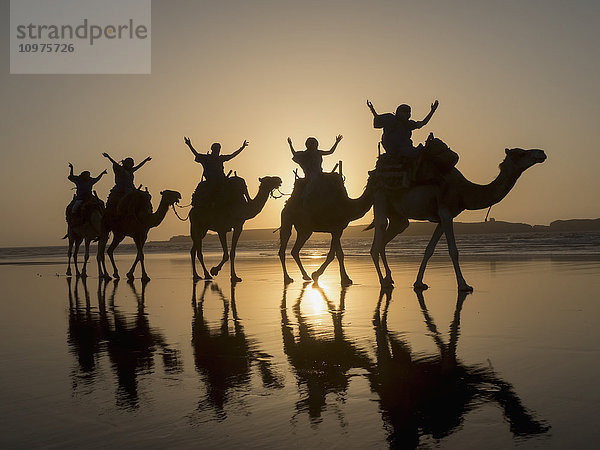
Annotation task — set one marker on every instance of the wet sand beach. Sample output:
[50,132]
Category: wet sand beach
[175,363]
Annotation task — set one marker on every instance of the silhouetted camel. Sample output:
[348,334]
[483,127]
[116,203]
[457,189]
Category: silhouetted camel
[441,203]
[224,217]
[86,231]
[324,210]
[423,394]
[224,356]
[320,362]
[129,344]
[133,217]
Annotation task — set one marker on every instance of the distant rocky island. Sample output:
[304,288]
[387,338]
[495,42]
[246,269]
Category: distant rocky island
[426,228]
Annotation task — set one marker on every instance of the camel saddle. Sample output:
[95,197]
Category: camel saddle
[84,211]
[396,173]
[219,194]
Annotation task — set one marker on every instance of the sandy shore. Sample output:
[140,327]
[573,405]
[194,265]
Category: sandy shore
[174,363]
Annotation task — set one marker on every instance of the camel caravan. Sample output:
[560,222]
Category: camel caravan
[408,182]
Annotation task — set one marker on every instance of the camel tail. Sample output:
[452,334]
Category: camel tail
[65,236]
[370,226]
[276,230]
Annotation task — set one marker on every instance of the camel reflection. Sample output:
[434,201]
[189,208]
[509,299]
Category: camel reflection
[224,354]
[130,343]
[320,362]
[430,395]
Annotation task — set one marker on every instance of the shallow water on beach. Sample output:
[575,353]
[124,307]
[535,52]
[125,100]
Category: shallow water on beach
[182,364]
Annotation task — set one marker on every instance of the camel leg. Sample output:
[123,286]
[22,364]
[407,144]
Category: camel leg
[200,256]
[86,257]
[330,257]
[75,252]
[345,279]
[100,257]
[394,228]
[117,238]
[223,238]
[435,237]
[139,243]
[69,254]
[380,222]
[196,277]
[301,238]
[448,228]
[237,231]
[284,236]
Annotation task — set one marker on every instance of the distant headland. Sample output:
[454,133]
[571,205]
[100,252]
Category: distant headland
[492,226]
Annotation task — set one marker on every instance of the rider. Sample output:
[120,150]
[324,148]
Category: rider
[311,159]
[124,173]
[84,183]
[398,128]
[212,164]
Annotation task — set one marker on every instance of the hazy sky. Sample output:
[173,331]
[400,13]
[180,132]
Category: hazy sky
[506,73]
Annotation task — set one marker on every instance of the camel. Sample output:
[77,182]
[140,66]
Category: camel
[134,218]
[222,219]
[321,361]
[225,356]
[441,203]
[328,211]
[424,394]
[87,231]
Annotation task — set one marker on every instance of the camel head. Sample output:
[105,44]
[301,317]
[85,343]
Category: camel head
[171,197]
[270,183]
[521,160]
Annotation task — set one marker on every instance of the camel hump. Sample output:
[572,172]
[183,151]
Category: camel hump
[134,202]
[85,209]
[215,194]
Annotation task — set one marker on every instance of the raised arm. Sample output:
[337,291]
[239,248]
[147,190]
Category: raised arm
[289,140]
[71,177]
[424,122]
[106,155]
[237,152]
[372,108]
[189,144]
[338,138]
[95,180]
[141,164]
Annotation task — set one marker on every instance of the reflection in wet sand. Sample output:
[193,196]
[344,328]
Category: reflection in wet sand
[224,354]
[129,344]
[321,363]
[431,394]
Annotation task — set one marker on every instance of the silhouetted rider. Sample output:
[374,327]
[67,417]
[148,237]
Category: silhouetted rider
[84,183]
[311,159]
[124,173]
[212,163]
[398,128]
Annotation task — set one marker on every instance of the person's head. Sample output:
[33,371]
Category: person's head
[215,149]
[85,174]
[312,143]
[128,163]
[403,112]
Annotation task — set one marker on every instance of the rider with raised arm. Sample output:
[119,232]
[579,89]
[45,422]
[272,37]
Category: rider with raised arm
[124,173]
[212,165]
[311,159]
[84,183]
[398,128]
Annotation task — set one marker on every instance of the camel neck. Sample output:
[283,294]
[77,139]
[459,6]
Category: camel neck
[256,204]
[478,196]
[359,206]
[157,217]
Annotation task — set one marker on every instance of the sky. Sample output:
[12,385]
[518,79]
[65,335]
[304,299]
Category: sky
[506,74]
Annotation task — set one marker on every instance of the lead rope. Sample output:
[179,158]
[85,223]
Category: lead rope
[182,207]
